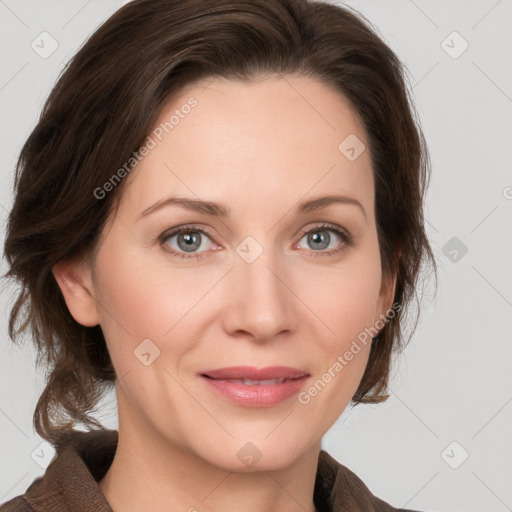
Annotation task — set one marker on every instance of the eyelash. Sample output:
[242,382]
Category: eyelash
[347,239]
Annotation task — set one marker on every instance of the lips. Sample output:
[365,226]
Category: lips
[247,386]
[251,374]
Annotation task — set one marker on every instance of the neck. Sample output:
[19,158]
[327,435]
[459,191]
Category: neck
[150,472]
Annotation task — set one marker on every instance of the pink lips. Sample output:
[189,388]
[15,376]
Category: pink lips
[255,395]
[251,372]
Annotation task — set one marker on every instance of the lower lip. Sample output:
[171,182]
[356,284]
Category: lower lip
[256,395]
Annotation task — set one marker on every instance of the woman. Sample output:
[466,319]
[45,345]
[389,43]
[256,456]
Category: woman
[168,208]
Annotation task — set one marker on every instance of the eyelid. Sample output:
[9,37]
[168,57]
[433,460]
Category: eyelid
[184,228]
[347,239]
[327,226]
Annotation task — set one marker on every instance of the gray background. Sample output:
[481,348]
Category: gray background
[453,384]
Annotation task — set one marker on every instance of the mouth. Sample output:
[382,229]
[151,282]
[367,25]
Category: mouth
[251,373]
[252,387]
[251,382]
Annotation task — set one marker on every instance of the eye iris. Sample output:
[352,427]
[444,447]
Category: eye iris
[319,236]
[191,239]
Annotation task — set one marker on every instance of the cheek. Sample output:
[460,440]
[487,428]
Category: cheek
[142,296]
[344,299]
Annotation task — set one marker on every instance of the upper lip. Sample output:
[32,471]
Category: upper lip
[251,372]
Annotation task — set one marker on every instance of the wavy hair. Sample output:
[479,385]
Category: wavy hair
[105,103]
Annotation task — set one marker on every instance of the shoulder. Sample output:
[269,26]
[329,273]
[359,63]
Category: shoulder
[18,504]
[71,479]
[337,488]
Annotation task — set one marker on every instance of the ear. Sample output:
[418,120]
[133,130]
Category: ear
[387,294]
[75,283]
[387,291]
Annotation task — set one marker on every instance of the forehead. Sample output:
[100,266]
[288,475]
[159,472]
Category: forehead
[270,141]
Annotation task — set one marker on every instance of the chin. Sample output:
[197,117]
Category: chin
[252,456]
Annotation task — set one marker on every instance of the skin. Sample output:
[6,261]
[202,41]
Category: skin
[259,148]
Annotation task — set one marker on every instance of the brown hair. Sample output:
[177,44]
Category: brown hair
[101,110]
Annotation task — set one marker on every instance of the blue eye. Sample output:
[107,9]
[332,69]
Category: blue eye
[190,239]
[319,239]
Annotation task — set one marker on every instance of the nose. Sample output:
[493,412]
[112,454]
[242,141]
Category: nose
[260,299]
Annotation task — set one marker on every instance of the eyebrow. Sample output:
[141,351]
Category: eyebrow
[220,210]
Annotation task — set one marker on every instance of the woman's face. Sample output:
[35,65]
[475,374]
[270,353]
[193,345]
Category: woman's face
[268,283]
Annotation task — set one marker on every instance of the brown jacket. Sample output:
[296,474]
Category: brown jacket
[70,482]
